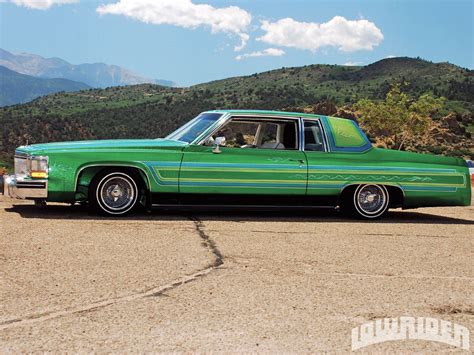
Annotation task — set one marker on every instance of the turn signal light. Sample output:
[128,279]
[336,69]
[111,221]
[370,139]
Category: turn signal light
[39,174]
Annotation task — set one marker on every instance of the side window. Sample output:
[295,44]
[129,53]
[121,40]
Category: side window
[278,135]
[269,133]
[313,137]
[239,133]
[258,134]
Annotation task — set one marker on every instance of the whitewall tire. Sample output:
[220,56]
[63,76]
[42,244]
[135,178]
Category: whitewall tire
[114,193]
[370,201]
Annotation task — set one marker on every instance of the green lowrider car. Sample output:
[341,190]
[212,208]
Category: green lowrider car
[241,158]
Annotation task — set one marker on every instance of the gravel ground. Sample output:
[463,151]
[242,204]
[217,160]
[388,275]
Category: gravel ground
[246,281]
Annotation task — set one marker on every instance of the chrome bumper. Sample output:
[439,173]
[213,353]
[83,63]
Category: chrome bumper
[24,189]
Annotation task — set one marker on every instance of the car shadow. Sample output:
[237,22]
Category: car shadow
[77,212]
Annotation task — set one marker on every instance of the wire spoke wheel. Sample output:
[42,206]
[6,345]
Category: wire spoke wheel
[116,193]
[371,201]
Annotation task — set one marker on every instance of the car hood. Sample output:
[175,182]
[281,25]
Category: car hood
[101,144]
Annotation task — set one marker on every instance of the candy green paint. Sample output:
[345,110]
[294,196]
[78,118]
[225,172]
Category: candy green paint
[171,166]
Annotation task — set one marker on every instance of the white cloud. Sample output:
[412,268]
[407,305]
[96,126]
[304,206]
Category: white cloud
[269,52]
[391,56]
[40,4]
[345,35]
[183,13]
[353,64]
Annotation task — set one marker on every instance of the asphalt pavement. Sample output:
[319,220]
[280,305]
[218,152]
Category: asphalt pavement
[255,281]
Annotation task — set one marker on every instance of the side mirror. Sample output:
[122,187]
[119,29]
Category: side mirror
[218,142]
[209,142]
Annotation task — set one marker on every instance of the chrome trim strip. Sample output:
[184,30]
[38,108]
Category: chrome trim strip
[301,136]
[105,165]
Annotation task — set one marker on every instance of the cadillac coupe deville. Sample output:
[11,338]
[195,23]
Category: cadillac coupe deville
[240,159]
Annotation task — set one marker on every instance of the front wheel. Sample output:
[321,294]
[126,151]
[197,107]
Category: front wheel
[368,201]
[114,193]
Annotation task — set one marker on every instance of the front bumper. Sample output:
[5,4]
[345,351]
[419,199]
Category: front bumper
[24,189]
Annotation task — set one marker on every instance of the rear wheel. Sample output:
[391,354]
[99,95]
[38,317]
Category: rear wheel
[114,192]
[368,201]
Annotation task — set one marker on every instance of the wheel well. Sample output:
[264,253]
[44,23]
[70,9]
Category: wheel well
[395,193]
[396,196]
[346,194]
[87,174]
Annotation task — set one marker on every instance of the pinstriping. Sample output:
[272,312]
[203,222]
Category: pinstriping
[280,166]
[156,167]
[298,186]
[303,182]
[292,170]
[405,183]
[430,188]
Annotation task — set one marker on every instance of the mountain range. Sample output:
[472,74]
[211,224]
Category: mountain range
[147,111]
[19,88]
[97,75]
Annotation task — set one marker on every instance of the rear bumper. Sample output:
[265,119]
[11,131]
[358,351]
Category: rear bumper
[23,189]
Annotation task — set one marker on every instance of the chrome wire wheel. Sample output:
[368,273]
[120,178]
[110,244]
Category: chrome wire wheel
[371,201]
[116,193]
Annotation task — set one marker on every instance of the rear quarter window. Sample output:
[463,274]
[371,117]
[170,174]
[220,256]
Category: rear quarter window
[345,133]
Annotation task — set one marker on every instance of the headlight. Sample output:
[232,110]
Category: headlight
[21,166]
[31,166]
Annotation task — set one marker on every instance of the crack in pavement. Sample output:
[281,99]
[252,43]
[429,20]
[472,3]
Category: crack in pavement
[207,242]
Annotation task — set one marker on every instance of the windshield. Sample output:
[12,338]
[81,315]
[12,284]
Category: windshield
[194,128]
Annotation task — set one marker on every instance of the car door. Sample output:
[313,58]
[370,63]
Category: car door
[323,183]
[255,160]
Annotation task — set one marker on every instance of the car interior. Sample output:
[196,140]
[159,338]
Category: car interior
[258,134]
[313,139]
[269,134]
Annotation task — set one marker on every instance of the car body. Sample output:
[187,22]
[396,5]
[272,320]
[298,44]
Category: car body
[271,159]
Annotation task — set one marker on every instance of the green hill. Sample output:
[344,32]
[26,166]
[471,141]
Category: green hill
[153,111]
[16,87]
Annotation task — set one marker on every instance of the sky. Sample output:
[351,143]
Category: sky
[191,41]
